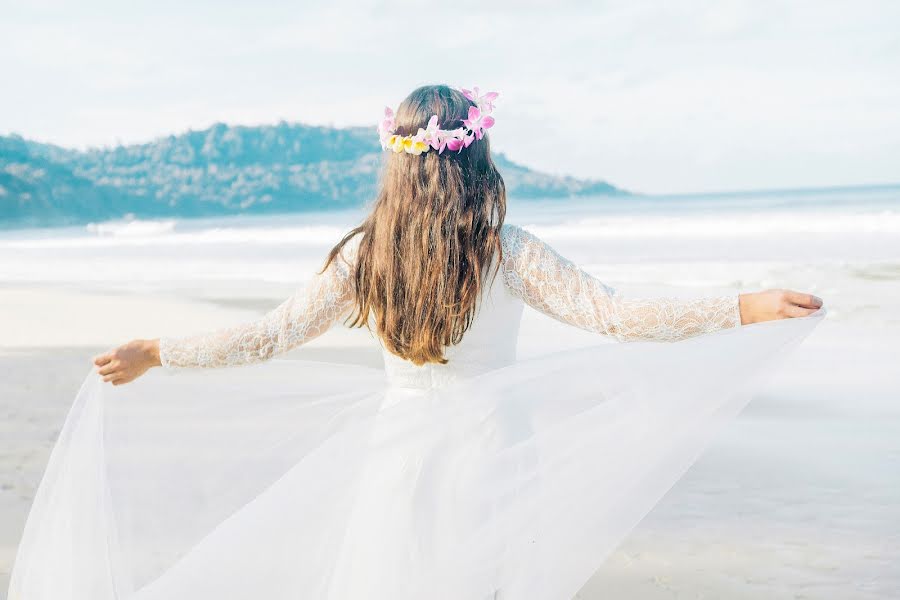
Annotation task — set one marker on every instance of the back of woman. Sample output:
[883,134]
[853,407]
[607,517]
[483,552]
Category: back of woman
[424,261]
[465,475]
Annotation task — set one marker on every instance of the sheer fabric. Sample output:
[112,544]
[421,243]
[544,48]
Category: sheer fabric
[483,478]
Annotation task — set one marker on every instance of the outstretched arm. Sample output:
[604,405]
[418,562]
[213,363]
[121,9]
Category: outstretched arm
[308,313]
[555,286]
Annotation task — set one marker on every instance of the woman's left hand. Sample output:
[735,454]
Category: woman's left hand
[770,305]
[128,361]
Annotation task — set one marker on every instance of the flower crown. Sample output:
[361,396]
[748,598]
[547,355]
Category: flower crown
[433,137]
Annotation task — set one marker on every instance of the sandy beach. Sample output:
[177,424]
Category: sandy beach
[794,500]
[798,498]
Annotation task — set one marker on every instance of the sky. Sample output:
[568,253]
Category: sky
[653,96]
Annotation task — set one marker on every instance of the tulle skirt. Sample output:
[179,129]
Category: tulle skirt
[302,480]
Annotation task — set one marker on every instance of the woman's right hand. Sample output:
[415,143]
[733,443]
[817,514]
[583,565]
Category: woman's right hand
[770,305]
[128,361]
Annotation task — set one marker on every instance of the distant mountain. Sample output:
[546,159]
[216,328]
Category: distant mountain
[218,171]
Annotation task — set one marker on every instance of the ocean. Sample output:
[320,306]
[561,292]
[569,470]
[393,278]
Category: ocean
[624,237]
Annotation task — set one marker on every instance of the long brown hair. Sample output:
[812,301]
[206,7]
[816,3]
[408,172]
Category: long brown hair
[429,242]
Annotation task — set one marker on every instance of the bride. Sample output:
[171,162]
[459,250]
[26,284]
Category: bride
[456,472]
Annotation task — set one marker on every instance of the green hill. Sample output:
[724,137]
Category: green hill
[218,171]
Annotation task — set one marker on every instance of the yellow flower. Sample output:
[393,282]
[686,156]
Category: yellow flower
[396,143]
[417,147]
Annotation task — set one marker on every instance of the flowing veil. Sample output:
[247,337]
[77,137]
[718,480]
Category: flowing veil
[296,479]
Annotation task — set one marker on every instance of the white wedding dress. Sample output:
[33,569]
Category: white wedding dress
[482,478]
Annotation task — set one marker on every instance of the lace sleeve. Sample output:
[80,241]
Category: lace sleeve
[307,314]
[556,287]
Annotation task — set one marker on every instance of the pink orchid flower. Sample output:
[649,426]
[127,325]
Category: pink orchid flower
[453,139]
[478,122]
[387,126]
[388,122]
[454,144]
[485,103]
[433,134]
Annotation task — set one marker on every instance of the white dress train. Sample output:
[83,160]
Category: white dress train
[483,478]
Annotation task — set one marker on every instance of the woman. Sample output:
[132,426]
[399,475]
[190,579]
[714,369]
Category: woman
[467,475]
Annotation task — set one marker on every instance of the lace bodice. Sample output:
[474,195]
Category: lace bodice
[530,271]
